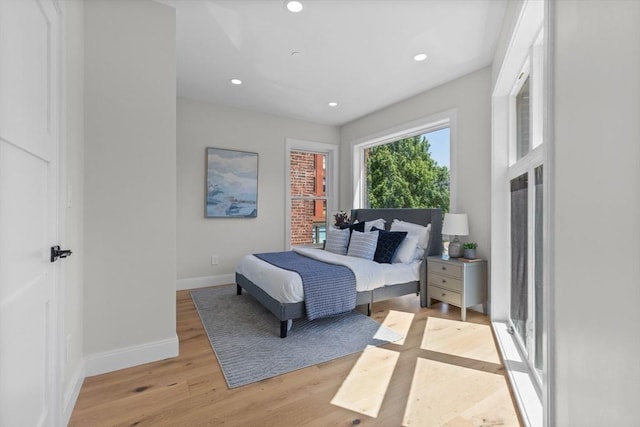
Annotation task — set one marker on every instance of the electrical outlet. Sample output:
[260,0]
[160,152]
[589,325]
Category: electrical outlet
[214,259]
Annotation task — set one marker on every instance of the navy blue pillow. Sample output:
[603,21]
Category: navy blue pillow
[358,226]
[388,242]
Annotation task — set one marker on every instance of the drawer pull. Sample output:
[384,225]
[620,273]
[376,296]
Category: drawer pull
[444,268]
[444,295]
[444,281]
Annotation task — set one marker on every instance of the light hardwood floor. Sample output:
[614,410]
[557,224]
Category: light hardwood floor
[446,373]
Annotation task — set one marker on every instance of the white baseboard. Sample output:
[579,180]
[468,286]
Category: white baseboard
[108,361]
[203,282]
[72,392]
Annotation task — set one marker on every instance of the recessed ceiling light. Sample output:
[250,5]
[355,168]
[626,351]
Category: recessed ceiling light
[236,81]
[420,57]
[333,104]
[294,6]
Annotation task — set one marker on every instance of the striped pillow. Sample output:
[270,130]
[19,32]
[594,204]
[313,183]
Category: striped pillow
[337,241]
[363,245]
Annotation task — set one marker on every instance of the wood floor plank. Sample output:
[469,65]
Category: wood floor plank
[125,410]
[365,387]
[433,385]
[190,390]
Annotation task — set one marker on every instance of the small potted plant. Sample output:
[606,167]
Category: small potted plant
[341,218]
[470,250]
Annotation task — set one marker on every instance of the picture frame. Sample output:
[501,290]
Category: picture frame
[231,184]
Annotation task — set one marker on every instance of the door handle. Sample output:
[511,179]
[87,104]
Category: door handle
[56,253]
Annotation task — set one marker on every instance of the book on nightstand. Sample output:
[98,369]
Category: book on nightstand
[469,260]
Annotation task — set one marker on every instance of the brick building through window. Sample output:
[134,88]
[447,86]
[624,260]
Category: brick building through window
[308,197]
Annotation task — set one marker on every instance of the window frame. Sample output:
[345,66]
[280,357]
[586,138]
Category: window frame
[527,165]
[445,119]
[330,151]
[530,29]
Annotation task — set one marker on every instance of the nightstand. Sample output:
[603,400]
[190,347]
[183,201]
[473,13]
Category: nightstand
[459,283]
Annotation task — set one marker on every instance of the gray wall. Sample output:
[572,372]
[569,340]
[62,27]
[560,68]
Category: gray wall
[596,286]
[202,125]
[470,96]
[130,174]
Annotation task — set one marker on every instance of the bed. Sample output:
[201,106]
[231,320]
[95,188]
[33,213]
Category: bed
[262,280]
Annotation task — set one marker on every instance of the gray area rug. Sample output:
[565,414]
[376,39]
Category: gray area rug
[246,337]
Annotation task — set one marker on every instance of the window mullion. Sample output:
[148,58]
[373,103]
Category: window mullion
[309,198]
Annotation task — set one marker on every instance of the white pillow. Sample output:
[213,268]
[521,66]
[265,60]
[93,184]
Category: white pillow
[363,245]
[378,223]
[337,240]
[420,231]
[406,252]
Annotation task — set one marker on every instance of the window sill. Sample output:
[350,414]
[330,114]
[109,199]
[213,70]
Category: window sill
[310,245]
[520,377]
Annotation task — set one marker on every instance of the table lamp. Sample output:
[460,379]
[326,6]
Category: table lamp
[455,225]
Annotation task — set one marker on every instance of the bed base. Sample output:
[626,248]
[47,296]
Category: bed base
[289,311]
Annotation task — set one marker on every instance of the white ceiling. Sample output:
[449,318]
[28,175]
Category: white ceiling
[358,53]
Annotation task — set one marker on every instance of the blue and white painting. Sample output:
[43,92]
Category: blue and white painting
[232,184]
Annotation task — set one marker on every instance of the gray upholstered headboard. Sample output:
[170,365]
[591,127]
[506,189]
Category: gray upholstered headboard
[420,216]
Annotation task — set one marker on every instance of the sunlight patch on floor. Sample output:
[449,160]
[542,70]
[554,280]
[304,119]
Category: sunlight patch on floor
[366,385]
[463,339]
[397,321]
[448,395]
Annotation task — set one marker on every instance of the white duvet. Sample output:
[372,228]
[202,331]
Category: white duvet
[286,286]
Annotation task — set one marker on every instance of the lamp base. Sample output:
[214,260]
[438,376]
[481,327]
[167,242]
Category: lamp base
[455,248]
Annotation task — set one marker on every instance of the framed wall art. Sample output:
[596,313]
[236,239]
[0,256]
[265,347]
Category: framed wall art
[231,187]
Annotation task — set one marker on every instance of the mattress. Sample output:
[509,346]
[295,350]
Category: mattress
[286,286]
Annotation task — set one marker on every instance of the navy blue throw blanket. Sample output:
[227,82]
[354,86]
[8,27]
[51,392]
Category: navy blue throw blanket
[329,289]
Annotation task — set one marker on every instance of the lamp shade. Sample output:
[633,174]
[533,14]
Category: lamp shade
[455,225]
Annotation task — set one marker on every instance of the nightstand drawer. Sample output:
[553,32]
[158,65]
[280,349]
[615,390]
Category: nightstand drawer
[445,295]
[445,268]
[448,282]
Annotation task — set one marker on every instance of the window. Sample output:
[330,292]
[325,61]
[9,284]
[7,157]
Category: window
[519,252]
[406,174]
[526,314]
[406,168]
[310,191]
[308,197]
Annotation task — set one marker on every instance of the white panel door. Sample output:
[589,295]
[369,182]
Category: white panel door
[29,140]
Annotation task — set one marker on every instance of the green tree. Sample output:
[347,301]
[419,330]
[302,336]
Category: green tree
[402,174]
